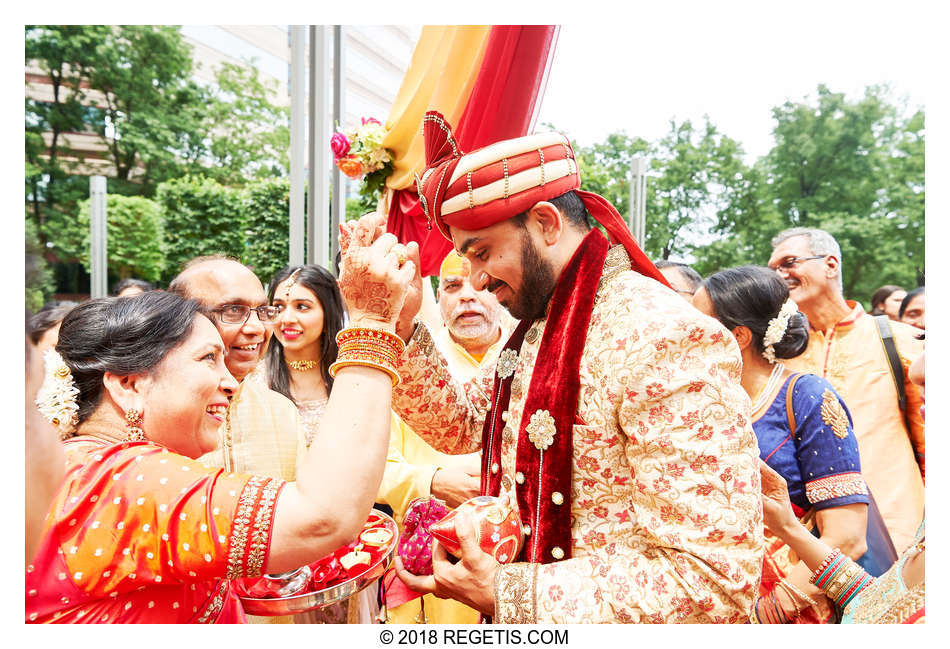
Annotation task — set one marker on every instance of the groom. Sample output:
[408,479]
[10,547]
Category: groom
[613,421]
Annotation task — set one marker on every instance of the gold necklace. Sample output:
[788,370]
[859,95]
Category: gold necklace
[303,366]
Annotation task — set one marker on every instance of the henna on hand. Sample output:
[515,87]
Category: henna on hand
[373,283]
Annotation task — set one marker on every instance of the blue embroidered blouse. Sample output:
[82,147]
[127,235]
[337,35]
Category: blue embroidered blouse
[819,460]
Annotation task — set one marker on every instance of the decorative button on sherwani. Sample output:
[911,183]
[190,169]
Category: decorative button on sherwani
[506,363]
[557,498]
[494,467]
[519,477]
[505,416]
[526,529]
[541,429]
[557,553]
[531,335]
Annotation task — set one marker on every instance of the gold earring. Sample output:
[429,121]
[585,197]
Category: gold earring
[133,426]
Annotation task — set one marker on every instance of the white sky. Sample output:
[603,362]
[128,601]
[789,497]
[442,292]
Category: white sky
[657,62]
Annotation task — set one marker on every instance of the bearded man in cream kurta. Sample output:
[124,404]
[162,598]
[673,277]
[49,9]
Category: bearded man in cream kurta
[613,421]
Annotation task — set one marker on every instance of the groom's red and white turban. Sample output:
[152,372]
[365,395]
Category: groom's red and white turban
[475,190]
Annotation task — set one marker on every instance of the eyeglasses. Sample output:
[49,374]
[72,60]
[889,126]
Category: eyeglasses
[239,313]
[789,263]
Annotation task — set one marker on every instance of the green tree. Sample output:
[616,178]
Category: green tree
[202,217]
[745,223]
[855,169]
[605,167]
[692,175]
[153,111]
[249,136]
[134,237]
[65,54]
[39,278]
[695,170]
[267,204]
[133,86]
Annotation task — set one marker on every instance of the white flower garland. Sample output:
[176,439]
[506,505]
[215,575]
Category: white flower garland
[56,398]
[777,327]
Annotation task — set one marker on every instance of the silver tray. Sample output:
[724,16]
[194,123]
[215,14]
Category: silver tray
[312,600]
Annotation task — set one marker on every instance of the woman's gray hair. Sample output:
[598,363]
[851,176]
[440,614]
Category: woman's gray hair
[820,242]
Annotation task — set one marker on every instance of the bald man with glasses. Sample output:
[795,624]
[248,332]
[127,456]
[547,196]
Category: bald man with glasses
[262,428]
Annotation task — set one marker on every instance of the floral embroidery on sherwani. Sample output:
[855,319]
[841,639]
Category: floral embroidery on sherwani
[666,517]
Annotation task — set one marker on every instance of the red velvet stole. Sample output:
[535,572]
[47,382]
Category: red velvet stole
[555,386]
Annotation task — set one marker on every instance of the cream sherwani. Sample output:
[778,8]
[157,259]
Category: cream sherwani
[851,357]
[412,463]
[666,516]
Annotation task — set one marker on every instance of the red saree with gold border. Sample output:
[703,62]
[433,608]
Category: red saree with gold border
[139,534]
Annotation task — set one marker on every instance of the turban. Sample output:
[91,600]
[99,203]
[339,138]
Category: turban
[475,190]
[454,265]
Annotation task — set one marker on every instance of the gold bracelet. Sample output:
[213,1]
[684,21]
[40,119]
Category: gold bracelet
[843,578]
[794,594]
[375,357]
[393,375]
[369,335]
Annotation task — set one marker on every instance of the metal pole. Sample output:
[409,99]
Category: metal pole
[298,35]
[638,186]
[318,179]
[643,205]
[97,236]
[338,214]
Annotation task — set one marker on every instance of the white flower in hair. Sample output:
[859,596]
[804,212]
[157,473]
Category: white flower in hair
[56,398]
[776,329]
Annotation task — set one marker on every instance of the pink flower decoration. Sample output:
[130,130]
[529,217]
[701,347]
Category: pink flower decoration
[370,120]
[339,145]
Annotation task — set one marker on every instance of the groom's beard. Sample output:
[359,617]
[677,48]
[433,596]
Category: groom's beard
[537,283]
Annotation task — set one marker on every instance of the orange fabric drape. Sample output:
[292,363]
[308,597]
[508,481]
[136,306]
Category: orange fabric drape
[499,101]
[440,77]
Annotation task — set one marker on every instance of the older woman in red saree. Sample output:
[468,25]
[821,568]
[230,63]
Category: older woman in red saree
[140,531]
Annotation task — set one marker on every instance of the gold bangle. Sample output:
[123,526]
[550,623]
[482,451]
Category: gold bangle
[372,355]
[843,578]
[794,595]
[381,348]
[372,335]
[393,375]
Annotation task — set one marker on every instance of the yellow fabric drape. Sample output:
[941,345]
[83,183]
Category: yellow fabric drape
[440,77]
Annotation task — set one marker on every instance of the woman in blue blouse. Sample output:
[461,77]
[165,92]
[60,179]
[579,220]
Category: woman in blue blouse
[804,433]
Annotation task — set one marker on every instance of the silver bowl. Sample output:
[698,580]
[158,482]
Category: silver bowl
[312,600]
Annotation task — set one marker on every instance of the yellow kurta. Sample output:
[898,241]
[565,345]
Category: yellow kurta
[412,463]
[851,357]
[264,431]
[665,508]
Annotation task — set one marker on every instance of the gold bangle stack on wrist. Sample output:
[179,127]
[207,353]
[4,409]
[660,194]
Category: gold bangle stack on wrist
[841,578]
[368,347]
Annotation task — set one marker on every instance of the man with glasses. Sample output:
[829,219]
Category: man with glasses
[262,427]
[845,347]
